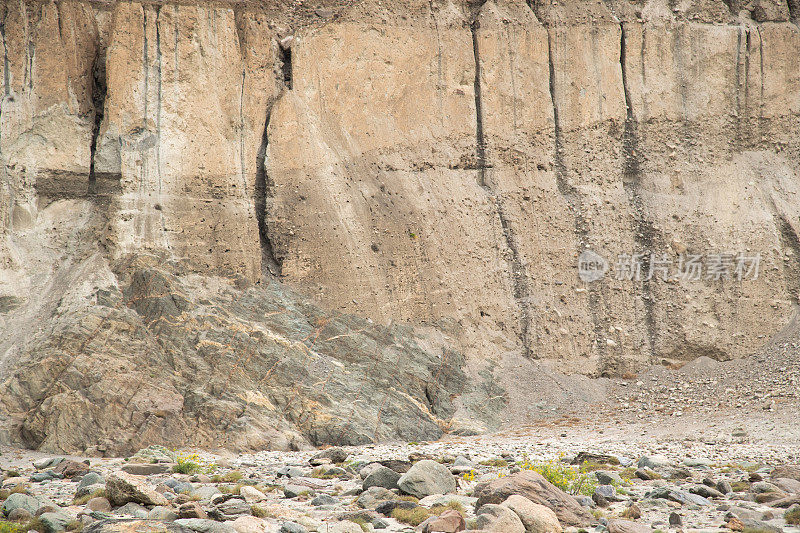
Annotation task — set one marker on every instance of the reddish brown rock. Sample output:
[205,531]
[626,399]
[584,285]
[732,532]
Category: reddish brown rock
[536,488]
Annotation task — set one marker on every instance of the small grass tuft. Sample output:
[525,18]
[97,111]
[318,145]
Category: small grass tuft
[740,486]
[21,527]
[22,488]
[228,477]
[412,517]
[321,473]
[792,516]
[260,512]
[360,522]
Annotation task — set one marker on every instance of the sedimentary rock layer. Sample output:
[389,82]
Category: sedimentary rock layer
[441,164]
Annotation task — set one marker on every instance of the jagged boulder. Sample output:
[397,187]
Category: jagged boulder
[537,489]
[122,488]
[427,477]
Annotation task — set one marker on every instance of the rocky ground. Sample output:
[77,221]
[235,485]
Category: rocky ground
[714,471]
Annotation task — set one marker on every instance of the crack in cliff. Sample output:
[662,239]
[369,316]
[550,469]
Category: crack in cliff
[481,141]
[794,12]
[6,73]
[789,240]
[159,68]
[285,57]
[145,65]
[263,187]
[761,83]
[747,73]
[99,92]
[644,231]
[519,274]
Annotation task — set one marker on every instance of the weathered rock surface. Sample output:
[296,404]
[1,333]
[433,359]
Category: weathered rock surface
[536,518]
[498,519]
[425,478]
[537,489]
[165,168]
[122,488]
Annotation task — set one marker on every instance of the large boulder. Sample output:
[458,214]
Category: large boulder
[230,510]
[252,494]
[334,454]
[536,488]
[70,469]
[147,469]
[54,522]
[373,496]
[381,477]
[201,525]
[449,521]
[425,478]
[626,526]
[498,519]
[92,478]
[535,517]
[135,526]
[21,501]
[122,488]
[786,471]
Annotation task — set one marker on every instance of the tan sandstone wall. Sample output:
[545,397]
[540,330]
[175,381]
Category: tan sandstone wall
[441,164]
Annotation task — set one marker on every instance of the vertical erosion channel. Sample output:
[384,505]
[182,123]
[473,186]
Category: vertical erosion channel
[99,90]
[519,274]
[570,193]
[262,189]
[643,229]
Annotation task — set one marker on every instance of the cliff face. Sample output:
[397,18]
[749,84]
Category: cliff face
[441,164]
[453,169]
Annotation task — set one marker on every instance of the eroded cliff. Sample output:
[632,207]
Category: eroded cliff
[439,164]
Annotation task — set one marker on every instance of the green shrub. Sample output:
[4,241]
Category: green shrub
[21,527]
[192,464]
[565,477]
[589,466]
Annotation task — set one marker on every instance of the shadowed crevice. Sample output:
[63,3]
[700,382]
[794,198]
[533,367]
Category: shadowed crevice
[518,271]
[644,232]
[263,188]
[99,92]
